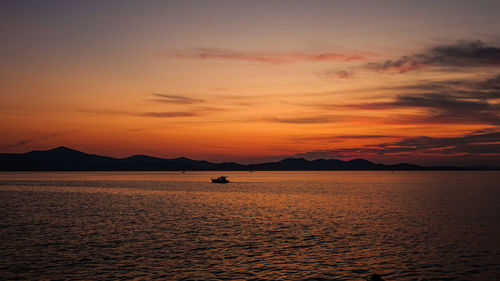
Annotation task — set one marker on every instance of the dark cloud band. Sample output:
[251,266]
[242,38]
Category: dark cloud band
[461,54]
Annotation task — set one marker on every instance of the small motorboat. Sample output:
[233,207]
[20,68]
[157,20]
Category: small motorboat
[221,179]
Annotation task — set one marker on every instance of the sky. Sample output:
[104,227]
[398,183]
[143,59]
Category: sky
[253,81]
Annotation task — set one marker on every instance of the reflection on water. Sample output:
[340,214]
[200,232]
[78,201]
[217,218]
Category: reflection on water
[262,226]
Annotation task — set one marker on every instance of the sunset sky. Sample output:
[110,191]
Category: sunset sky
[252,81]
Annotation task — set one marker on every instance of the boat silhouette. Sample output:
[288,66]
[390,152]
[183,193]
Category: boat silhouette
[221,179]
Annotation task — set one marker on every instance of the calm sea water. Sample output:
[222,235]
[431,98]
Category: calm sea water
[262,226]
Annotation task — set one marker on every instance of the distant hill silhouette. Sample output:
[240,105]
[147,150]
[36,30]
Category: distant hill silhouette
[66,159]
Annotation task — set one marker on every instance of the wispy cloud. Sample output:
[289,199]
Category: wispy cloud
[341,138]
[160,114]
[461,54]
[219,146]
[20,143]
[164,98]
[167,114]
[467,102]
[363,136]
[446,145]
[135,130]
[341,74]
[489,84]
[304,120]
[440,108]
[474,143]
[269,57]
[40,138]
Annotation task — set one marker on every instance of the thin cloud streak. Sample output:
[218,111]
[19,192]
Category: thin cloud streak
[441,108]
[20,143]
[473,143]
[43,137]
[364,136]
[453,102]
[164,98]
[269,57]
[341,138]
[166,114]
[304,120]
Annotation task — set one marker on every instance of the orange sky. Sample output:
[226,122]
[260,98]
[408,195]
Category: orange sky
[249,82]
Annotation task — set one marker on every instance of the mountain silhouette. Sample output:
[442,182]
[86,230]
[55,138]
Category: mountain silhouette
[67,159]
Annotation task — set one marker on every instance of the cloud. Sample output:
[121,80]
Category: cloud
[364,136]
[329,153]
[343,74]
[461,54]
[43,137]
[21,143]
[219,146]
[439,101]
[269,57]
[489,84]
[105,112]
[57,134]
[167,114]
[473,143]
[163,98]
[441,108]
[467,102]
[488,89]
[304,120]
[448,145]
[161,114]
[135,130]
[341,138]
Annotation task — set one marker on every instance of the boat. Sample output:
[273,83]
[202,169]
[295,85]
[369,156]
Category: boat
[221,179]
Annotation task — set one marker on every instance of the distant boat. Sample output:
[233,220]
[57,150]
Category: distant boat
[221,179]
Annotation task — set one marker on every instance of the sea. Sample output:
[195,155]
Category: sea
[328,225]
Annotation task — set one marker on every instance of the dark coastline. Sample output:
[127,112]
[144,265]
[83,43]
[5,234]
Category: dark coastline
[66,159]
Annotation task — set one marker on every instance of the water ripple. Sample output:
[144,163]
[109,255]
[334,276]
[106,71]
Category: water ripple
[406,226]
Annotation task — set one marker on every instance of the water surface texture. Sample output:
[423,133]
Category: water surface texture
[261,226]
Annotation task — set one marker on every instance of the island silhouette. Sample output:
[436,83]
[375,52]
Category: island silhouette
[67,159]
